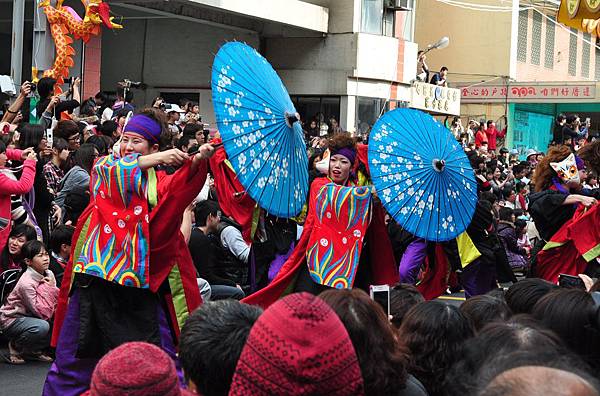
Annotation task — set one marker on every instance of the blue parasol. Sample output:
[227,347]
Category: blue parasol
[422,175]
[260,129]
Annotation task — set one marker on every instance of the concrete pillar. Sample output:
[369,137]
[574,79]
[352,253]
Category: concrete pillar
[348,113]
[92,61]
[16,56]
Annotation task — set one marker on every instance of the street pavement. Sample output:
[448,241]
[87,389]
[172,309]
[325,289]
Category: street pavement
[28,379]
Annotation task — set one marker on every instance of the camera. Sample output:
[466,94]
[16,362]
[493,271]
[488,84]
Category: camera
[33,87]
[69,80]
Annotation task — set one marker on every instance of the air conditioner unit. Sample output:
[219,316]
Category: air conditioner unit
[399,5]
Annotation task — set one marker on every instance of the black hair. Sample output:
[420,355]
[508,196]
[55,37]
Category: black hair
[211,342]
[108,128]
[17,231]
[85,156]
[521,332]
[101,95]
[520,186]
[444,68]
[520,225]
[403,297]
[191,129]
[99,143]
[65,129]
[505,214]
[32,249]
[184,141]
[60,144]
[507,192]
[434,332]
[571,118]
[522,296]
[488,196]
[203,209]
[484,309]
[159,117]
[61,235]
[45,86]
[570,313]
[560,117]
[489,122]
[31,136]
[2,147]
[75,203]
[87,107]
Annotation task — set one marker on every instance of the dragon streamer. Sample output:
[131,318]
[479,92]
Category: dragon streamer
[64,23]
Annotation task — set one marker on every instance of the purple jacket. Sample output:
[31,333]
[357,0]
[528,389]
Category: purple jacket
[517,256]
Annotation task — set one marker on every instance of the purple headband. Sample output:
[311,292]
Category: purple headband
[346,152]
[580,163]
[144,126]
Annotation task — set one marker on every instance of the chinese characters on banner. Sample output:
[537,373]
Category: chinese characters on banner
[527,92]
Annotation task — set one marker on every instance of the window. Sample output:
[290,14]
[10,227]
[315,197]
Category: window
[321,108]
[372,16]
[368,111]
[585,55]
[522,36]
[550,32]
[388,23]
[573,52]
[536,38]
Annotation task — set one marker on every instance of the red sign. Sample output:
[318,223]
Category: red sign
[483,93]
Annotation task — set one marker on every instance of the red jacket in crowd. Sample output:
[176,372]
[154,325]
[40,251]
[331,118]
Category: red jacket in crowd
[492,134]
[480,138]
[8,187]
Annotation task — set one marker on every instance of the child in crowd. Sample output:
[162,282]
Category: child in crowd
[60,250]
[24,319]
[522,192]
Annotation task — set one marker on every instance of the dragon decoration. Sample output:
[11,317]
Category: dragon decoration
[64,23]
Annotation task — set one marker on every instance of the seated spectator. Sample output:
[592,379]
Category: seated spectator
[509,197]
[135,368]
[484,309]
[571,313]
[24,318]
[205,252]
[523,295]
[79,175]
[402,298]
[11,256]
[434,333]
[60,250]
[382,361]
[517,256]
[298,346]
[211,342]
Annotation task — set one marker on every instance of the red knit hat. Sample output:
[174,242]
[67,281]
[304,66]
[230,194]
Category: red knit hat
[298,346]
[135,368]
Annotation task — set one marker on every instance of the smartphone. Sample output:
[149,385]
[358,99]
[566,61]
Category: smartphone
[381,295]
[49,137]
[570,282]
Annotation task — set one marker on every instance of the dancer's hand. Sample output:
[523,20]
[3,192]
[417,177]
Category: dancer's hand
[205,151]
[173,157]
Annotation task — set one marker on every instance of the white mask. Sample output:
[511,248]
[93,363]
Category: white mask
[567,169]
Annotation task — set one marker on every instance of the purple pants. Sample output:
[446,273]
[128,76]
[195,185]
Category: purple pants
[411,261]
[478,278]
[71,376]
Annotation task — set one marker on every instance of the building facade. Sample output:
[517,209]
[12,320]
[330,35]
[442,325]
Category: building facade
[514,64]
[344,59]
